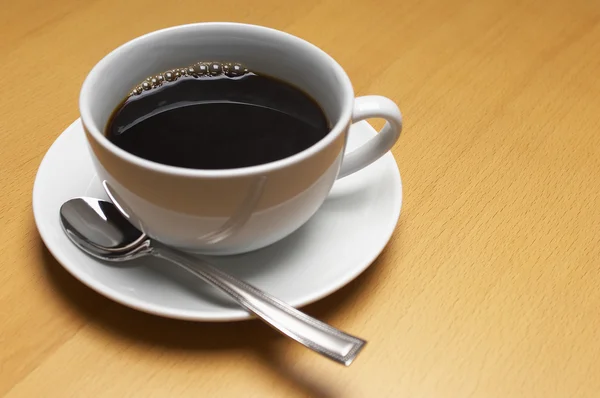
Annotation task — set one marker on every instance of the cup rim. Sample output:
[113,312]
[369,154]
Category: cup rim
[96,132]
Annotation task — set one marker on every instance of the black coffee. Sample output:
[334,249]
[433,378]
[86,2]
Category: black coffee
[216,116]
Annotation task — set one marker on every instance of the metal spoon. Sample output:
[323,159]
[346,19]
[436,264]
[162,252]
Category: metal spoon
[98,228]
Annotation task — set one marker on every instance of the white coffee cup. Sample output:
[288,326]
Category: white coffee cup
[234,210]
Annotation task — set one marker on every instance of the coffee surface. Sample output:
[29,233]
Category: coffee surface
[216,116]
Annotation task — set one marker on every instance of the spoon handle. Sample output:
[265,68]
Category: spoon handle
[312,333]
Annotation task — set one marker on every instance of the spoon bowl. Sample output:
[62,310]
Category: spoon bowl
[98,225]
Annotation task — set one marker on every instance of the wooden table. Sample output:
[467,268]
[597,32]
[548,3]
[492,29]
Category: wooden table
[490,286]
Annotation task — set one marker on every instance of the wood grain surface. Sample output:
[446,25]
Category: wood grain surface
[490,286]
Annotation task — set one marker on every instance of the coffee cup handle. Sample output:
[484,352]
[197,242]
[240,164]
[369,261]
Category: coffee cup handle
[373,106]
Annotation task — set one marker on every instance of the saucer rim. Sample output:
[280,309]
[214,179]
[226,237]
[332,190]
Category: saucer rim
[44,229]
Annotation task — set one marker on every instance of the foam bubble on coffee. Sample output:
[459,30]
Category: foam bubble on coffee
[197,70]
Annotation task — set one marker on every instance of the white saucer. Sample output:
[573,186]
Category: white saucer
[334,247]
